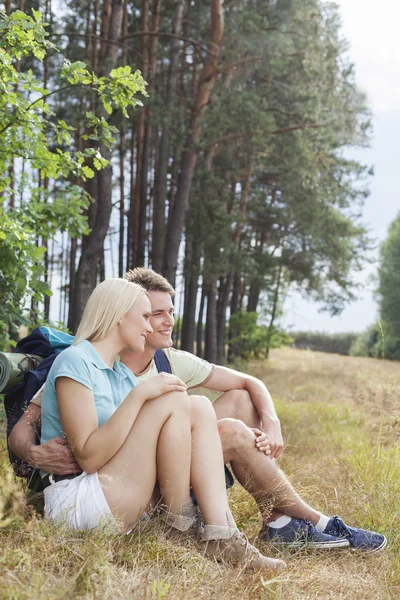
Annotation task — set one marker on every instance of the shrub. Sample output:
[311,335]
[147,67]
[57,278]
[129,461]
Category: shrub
[253,339]
[336,343]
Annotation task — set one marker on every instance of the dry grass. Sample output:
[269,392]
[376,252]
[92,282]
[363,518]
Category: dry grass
[341,418]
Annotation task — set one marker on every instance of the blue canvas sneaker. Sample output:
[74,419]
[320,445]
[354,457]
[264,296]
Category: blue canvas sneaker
[301,534]
[362,539]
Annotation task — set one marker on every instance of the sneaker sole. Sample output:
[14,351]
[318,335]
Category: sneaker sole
[373,550]
[312,545]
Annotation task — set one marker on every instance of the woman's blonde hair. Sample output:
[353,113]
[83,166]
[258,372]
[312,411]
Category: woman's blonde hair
[107,304]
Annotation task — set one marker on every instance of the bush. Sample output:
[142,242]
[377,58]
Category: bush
[378,342]
[252,339]
[336,343]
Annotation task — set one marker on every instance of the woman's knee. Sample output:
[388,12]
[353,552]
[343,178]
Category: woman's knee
[172,403]
[201,409]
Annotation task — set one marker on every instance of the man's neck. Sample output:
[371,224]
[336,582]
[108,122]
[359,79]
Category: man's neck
[137,363]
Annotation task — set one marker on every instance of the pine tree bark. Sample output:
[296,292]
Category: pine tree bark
[210,352]
[86,274]
[274,308]
[176,218]
[160,188]
[223,303]
[199,332]
[192,270]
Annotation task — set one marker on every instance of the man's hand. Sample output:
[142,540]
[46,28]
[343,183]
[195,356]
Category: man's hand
[272,430]
[54,457]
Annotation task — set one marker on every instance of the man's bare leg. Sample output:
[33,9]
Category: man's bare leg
[237,404]
[261,476]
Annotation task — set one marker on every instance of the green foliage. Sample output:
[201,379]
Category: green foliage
[382,339]
[31,133]
[389,281]
[252,339]
[20,272]
[292,108]
[369,343]
[336,343]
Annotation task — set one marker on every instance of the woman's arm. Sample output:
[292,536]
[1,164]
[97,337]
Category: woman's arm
[94,446]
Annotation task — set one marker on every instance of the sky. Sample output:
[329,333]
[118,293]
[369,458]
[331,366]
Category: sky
[372,31]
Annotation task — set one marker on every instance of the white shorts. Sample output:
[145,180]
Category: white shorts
[79,503]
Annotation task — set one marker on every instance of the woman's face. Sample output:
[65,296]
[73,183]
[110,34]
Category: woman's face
[135,326]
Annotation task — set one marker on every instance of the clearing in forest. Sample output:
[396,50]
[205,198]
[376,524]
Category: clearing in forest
[341,422]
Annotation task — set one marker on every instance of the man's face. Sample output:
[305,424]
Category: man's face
[162,320]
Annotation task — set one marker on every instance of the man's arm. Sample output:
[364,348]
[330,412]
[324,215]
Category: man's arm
[54,456]
[223,379]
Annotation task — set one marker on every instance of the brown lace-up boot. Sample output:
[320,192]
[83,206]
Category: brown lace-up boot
[185,524]
[229,545]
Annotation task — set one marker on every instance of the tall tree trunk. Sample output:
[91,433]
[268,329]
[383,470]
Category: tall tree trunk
[223,303]
[141,169]
[192,270]
[47,257]
[86,275]
[210,353]
[233,349]
[160,188]
[199,333]
[72,277]
[133,216]
[176,218]
[274,308]
[121,245]
[258,277]
[147,129]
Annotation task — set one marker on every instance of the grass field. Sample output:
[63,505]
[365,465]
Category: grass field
[341,421]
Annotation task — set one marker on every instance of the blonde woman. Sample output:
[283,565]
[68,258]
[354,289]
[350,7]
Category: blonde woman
[128,436]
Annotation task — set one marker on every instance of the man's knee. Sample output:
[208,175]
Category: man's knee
[236,404]
[240,400]
[235,436]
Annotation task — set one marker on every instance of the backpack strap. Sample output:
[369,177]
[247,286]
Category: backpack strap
[162,363]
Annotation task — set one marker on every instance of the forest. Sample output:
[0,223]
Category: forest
[207,140]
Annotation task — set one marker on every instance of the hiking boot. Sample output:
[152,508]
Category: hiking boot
[362,539]
[301,534]
[185,524]
[232,547]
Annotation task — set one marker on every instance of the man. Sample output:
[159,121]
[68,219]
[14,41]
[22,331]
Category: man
[248,425]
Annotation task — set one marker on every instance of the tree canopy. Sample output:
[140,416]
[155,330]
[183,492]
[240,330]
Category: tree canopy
[232,178]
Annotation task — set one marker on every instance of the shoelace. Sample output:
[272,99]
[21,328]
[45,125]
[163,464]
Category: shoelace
[309,527]
[246,544]
[341,527]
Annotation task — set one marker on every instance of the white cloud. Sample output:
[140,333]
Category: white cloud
[372,29]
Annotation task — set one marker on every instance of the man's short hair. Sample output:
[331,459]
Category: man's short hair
[149,280]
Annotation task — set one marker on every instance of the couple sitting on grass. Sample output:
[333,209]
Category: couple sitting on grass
[117,438]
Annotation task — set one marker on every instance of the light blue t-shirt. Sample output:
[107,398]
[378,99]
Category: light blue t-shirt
[84,364]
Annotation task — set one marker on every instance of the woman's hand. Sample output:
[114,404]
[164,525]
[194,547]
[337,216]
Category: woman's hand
[160,384]
[261,441]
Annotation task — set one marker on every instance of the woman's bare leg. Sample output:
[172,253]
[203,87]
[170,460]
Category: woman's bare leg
[207,470]
[221,536]
[157,447]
